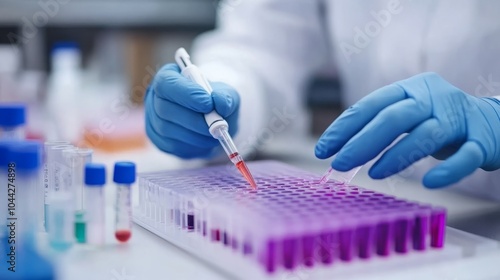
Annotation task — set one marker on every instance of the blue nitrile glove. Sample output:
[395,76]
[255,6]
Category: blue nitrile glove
[174,113]
[441,120]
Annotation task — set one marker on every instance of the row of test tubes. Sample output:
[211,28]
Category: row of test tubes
[74,197]
[63,189]
[70,201]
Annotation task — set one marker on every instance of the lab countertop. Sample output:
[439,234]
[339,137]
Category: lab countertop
[147,256]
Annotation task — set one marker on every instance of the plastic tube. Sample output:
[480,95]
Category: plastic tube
[61,220]
[124,176]
[23,178]
[95,179]
[4,162]
[20,260]
[55,170]
[77,159]
[43,192]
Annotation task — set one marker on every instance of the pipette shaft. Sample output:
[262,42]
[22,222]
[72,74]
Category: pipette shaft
[217,126]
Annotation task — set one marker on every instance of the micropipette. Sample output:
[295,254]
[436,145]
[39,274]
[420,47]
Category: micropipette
[217,126]
[339,176]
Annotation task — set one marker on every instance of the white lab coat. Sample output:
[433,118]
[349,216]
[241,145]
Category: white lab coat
[269,49]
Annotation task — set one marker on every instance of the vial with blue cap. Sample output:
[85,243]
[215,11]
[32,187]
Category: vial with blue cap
[95,180]
[12,121]
[5,145]
[24,160]
[124,177]
[21,161]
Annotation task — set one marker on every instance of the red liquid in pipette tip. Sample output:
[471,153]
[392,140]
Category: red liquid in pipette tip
[123,235]
[242,167]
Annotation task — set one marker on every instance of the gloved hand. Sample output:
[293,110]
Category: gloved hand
[174,113]
[441,120]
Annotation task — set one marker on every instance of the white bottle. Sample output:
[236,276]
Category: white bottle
[64,88]
[10,58]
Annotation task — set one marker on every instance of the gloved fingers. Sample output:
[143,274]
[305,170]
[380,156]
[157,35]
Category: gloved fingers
[175,113]
[421,142]
[447,151]
[170,85]
[226,99]
[170,130]
[379,133]
[177,148]
[463,163]
[355,118]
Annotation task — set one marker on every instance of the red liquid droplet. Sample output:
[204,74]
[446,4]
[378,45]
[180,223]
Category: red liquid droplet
[233,155]
[123,235]
[242,167]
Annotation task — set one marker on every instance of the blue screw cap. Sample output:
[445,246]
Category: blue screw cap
[124,172]
[5,146]
[26,155]
[12,114]
[65,45]
[95,174]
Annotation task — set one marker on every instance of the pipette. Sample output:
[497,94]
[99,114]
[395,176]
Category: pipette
[217,126]
[339,176]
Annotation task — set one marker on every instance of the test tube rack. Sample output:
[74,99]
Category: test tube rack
[289,224]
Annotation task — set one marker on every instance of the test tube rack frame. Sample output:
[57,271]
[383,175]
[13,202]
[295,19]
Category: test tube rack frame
[291,224]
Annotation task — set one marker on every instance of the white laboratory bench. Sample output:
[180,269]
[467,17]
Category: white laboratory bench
[147,256]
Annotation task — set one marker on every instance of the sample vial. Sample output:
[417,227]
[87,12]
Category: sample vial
[76,160]
[43,191]
[23,178]
[5,146]
[95,179]
[12,120]
[58,198]
[54,175]
[60,218]
[124,177]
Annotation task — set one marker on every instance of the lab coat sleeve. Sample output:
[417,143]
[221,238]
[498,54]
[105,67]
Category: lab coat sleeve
[267,50]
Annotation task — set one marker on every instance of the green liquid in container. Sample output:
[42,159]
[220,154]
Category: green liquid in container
[80,227]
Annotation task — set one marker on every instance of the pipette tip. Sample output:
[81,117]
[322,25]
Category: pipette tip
[338,176]
[242,167]
[326,176]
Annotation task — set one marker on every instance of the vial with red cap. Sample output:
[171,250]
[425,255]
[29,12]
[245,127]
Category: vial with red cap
[124,177]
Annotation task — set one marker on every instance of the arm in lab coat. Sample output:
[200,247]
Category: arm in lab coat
[267,50]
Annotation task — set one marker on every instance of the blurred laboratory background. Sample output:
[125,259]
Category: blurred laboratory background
[83,66]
